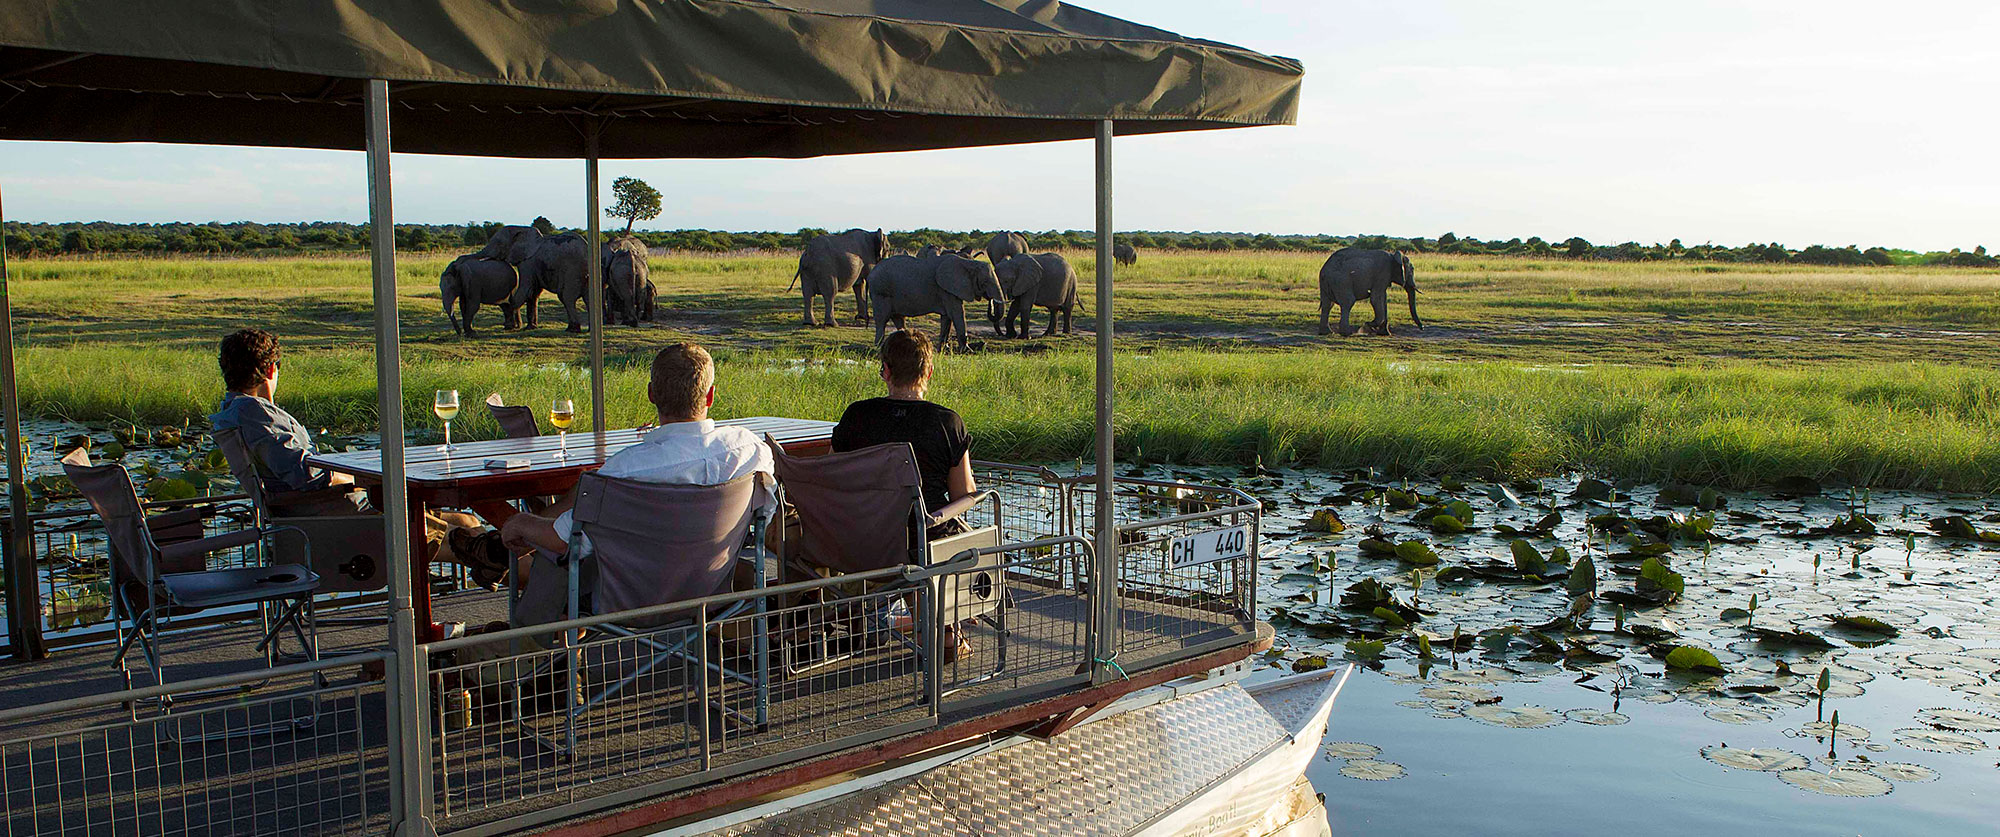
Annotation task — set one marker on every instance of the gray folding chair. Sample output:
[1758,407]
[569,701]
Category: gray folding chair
[638,545]
[346,549]
[517,422]
[863,510]
[146,598]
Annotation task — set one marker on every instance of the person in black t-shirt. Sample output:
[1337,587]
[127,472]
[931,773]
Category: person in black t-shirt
[943,448]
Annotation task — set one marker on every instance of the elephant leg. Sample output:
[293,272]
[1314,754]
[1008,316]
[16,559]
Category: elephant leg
[510,316]
[1027,319]
[808,304]
[881,325]
[1345,329]
[1051,331]
[470,306]
[1325,306]
[1380,302]
[531,310]
[860,304]
[830,321]
[570,314]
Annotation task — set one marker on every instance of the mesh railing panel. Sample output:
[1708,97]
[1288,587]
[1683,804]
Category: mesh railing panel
[319,768]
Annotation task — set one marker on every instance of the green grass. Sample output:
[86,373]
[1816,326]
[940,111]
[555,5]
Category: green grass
[1633,370]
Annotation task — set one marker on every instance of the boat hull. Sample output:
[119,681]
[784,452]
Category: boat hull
[1202,757]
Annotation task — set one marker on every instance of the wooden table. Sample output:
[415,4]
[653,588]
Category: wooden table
[460,479]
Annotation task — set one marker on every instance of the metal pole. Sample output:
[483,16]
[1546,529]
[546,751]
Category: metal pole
[410,774]
[24,605]
[596,305]
[1104,588]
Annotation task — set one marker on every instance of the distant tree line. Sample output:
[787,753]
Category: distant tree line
[77,238]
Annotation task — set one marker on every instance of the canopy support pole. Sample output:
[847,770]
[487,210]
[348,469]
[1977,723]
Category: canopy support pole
[24,606]
[596,292]
[409,763]
[1104,591]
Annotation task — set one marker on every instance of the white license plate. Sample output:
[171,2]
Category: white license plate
[1211,546]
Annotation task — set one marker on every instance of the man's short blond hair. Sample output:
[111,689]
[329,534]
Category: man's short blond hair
[683,373]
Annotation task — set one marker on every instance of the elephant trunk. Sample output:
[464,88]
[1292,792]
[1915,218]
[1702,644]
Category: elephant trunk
[449,290]
[1410,286]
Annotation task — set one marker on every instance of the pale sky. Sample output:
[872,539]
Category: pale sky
[1822,122]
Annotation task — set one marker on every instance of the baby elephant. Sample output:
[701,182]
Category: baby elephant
[1030,280]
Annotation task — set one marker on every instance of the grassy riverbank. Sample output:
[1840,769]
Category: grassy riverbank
[1685,372]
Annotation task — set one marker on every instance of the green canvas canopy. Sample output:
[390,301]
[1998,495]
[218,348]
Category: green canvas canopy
[661,78]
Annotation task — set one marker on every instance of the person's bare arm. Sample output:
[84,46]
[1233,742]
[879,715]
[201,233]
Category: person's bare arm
[959,482]
[523,532]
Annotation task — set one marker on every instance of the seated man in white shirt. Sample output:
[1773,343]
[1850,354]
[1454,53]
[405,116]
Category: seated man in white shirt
[686,449]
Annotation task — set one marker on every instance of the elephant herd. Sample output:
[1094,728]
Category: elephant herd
[520,262]
[1011,281]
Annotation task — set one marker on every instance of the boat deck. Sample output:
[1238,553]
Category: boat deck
[500,737]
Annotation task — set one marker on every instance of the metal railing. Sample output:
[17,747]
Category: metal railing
[537,724]
[1168,609]
[116,764]
[73,565]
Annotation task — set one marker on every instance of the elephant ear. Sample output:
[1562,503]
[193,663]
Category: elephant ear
[954,277]
[1023,274]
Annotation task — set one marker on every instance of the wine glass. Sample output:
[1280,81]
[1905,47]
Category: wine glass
[561,413]
[445,405]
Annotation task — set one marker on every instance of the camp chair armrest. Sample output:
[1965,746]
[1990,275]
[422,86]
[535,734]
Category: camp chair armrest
[177,517]
[203,546]
[957,508]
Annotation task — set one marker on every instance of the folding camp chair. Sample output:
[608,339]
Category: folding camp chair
[638,545]
[347,549]
[863,510]
[145,597]
[517,422]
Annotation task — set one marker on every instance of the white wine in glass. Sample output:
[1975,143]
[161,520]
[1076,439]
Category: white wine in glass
[562,413]
[445,405]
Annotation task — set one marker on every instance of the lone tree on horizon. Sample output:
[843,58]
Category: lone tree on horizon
[634,201]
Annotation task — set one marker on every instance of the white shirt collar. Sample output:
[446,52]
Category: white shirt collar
[670,430]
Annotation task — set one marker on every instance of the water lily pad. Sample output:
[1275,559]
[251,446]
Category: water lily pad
[1903,771]
[1351,750]
[1838,782]
[1865,624]
[1372,770]
[1939,741]
[1766,759]
[1517,717]
[1414,704]
[1988,694]
[1959,720]
[1846,732]
[1417,553]
[1597,717]
[1691,658]
[1736,715]
[1456,692]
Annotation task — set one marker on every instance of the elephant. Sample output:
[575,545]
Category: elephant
[1124,254]
[1042,279]
[835,262]
[472,280]
[628,284]
[907,286]
[1352,274]
[555,263]
[1004,244]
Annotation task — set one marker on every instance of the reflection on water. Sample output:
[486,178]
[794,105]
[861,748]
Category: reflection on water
[1859,694]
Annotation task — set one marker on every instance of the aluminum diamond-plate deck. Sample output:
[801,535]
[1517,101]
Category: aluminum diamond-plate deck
[1106,777]
[1293,704]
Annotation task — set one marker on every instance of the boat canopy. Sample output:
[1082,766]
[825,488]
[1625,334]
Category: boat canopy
[672,78]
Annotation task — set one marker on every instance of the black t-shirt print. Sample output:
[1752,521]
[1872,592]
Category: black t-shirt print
[935,432]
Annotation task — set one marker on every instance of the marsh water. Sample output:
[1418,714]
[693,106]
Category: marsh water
[1557,716]
[1546,690]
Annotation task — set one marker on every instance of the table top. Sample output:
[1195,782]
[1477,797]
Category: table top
[430,465]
